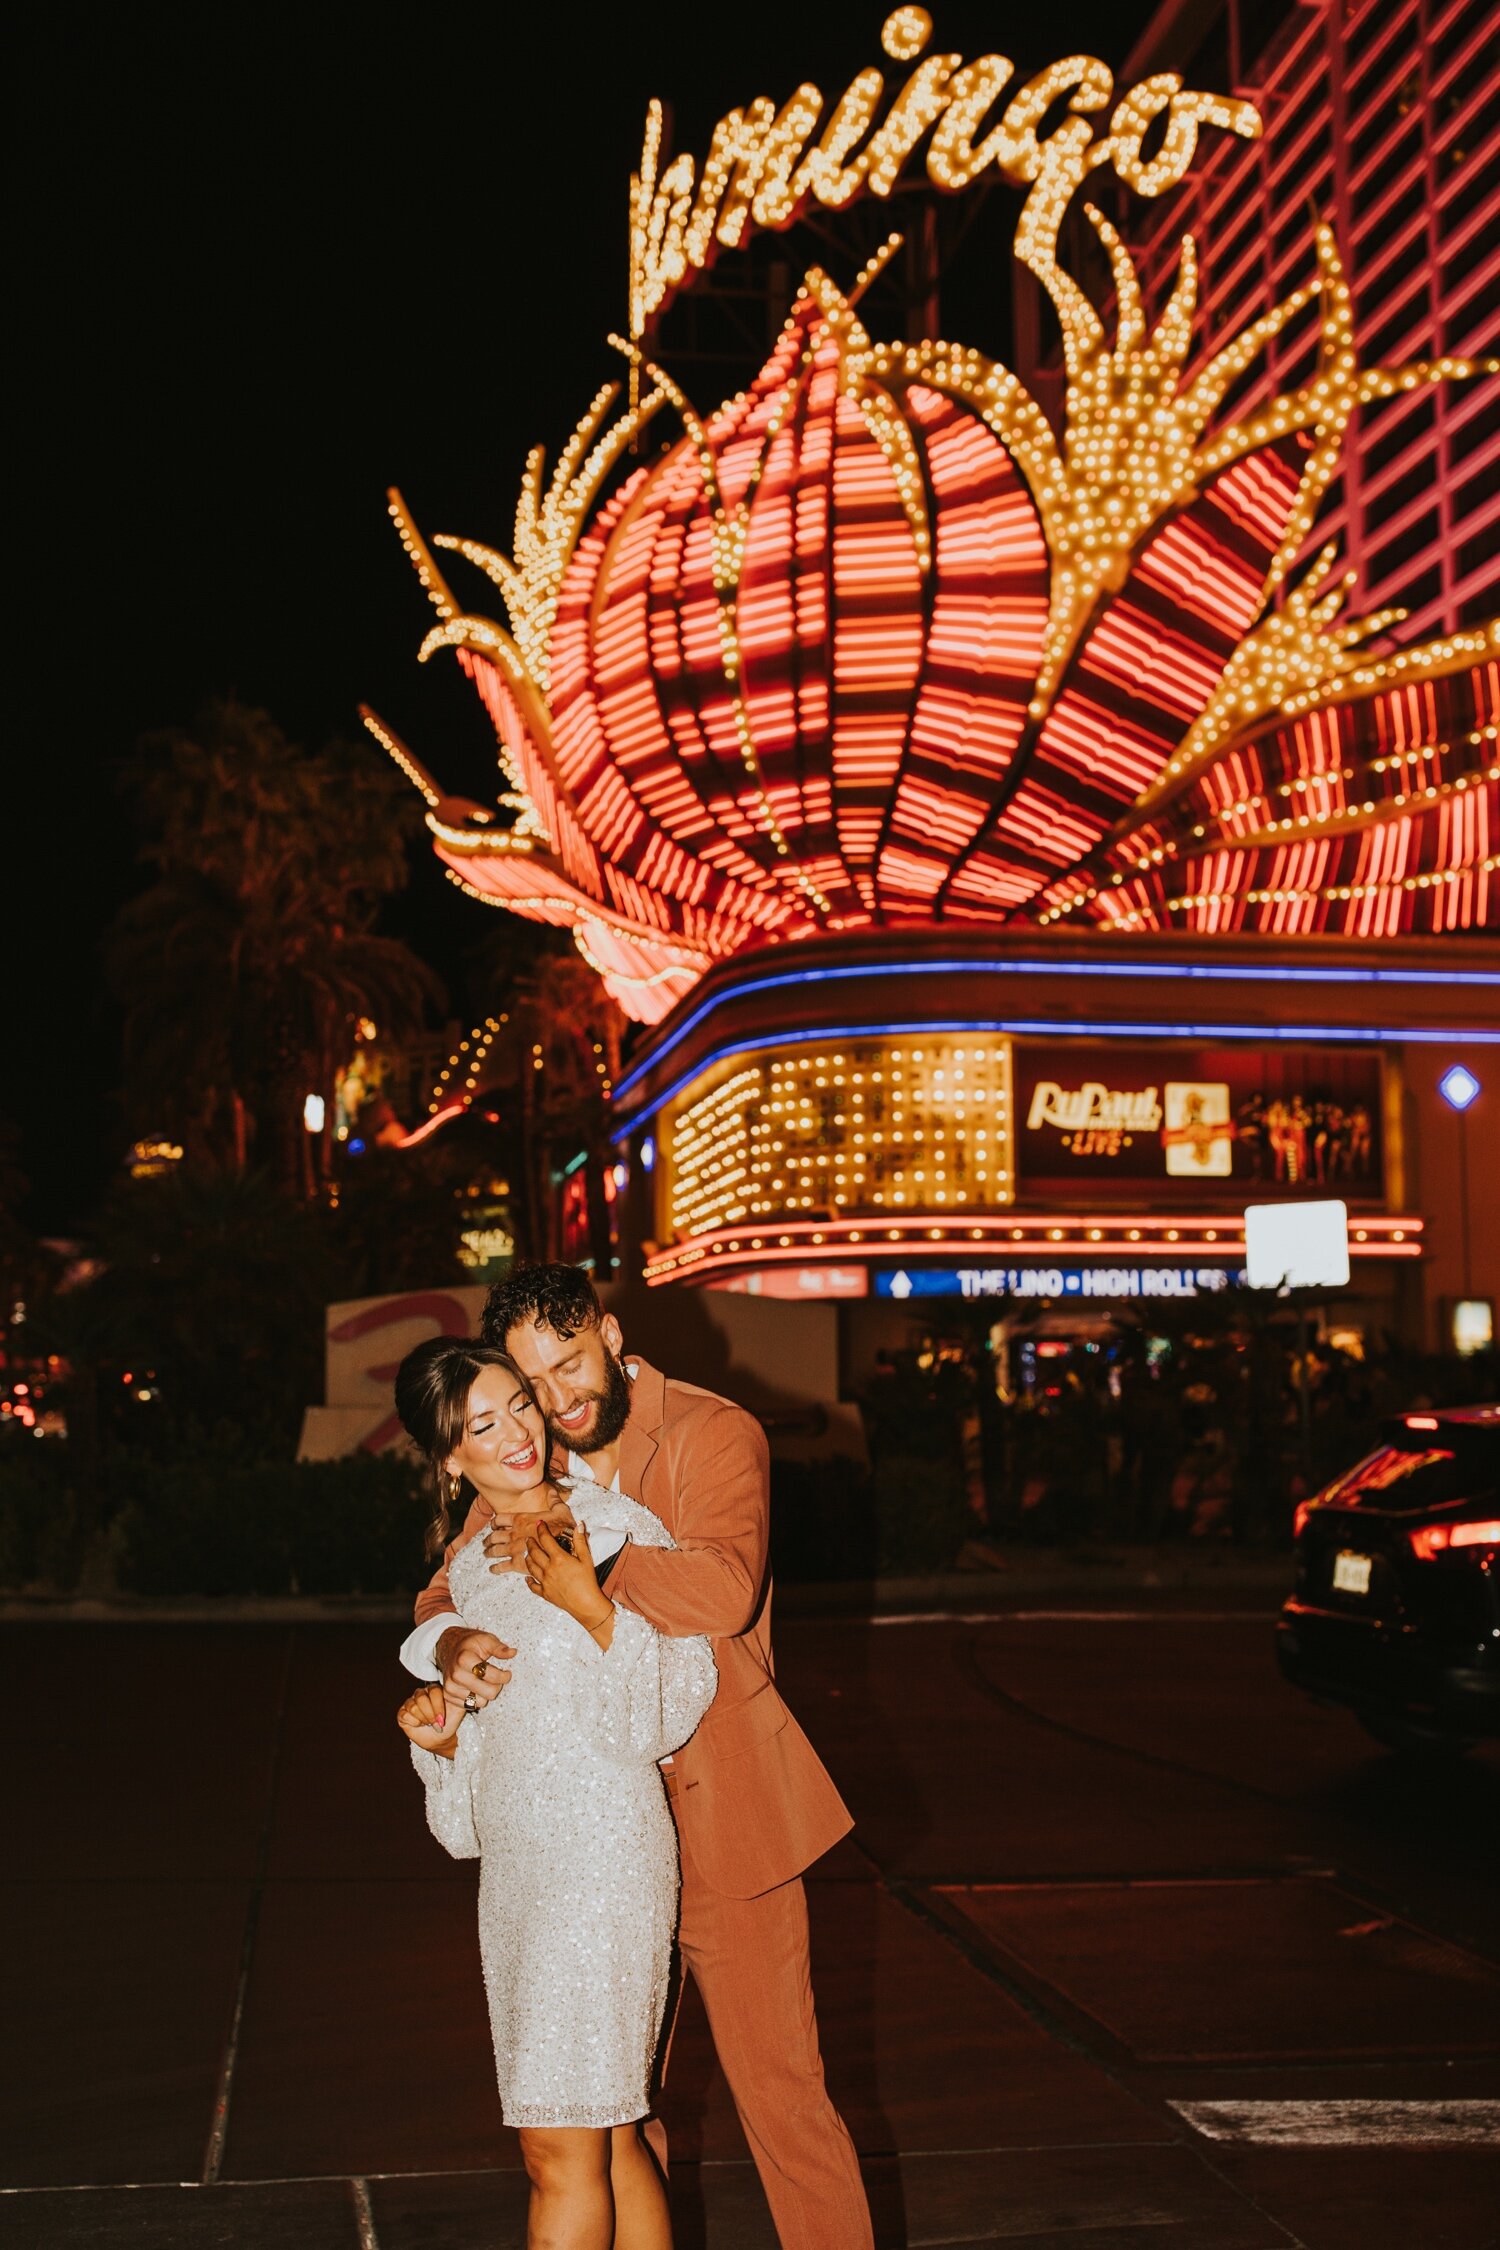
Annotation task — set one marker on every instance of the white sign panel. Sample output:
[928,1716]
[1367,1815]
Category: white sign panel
[1297,1245]
[366,1340]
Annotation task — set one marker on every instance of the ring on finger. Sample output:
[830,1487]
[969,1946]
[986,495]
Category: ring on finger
[471,1703]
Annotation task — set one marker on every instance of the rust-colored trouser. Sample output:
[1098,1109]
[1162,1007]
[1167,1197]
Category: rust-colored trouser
[749,1960]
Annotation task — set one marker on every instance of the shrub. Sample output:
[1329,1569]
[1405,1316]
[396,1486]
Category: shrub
[41,1529]
[833,1519]
[217,1526]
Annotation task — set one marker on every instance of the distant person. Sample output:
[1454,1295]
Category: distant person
[1151,1445]
[753,1805]
[555,1789]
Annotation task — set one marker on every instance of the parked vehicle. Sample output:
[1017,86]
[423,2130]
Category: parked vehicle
[1396,1610]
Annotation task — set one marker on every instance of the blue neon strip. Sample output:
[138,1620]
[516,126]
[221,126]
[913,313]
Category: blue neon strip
[1024,1026]
[1230,973]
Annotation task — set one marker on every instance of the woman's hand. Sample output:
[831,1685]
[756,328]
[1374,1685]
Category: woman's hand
[504,1542]
[569,1581]
[430,1721]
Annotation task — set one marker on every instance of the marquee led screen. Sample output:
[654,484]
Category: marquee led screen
[953,1127]
[1227,1121]
[861,1126]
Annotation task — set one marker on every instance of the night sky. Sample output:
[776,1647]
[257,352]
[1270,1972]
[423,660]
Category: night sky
[268,264]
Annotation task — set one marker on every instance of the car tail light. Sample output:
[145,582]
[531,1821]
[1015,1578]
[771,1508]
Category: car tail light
[1421,1421]
[1299,1519]
[1437,1538]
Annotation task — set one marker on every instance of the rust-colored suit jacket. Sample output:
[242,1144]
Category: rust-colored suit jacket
[753,1800]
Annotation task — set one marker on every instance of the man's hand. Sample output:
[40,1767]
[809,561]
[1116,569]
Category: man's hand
[471,1664]
[506,1544]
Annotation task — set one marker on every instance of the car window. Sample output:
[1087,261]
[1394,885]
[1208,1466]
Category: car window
[1433,1478]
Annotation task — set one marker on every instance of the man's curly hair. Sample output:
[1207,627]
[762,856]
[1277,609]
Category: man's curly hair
[558,1297]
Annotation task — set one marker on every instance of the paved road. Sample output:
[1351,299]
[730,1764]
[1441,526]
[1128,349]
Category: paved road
[1134,1951]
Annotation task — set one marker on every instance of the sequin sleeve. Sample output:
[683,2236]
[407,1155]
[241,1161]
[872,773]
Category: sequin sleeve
[641,1698]
[449,1783]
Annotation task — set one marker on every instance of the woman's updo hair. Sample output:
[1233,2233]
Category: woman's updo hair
[432,1398]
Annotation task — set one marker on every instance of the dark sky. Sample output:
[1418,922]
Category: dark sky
[269,263]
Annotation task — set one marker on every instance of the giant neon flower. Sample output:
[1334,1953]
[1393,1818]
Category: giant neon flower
[875,643]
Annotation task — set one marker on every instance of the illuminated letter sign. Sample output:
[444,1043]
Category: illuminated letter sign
[1094,1120]
[764,166]
[1110,1283]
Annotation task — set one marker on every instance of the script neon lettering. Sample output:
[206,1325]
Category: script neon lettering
[760,170]
[823,173]
[1093,1107]
[952,159]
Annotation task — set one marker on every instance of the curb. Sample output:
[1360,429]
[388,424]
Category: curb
[1025,1578]
[1030,1578]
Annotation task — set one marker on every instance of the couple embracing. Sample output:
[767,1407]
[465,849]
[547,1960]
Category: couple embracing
[603,1731]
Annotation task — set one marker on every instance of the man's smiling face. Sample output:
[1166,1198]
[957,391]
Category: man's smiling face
[580,1384]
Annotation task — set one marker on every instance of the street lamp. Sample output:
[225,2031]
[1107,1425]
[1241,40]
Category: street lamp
[1460,1089]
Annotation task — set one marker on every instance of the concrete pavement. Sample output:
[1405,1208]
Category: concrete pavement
[1122,1918]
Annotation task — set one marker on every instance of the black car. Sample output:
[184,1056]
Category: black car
[1397,1603]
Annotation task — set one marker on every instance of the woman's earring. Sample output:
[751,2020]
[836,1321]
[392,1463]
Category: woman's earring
[455,1487]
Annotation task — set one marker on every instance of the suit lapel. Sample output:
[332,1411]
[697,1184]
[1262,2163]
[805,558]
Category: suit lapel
[642,1433]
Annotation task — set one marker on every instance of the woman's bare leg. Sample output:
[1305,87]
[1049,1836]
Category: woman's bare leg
[642,2221]
[572,2207]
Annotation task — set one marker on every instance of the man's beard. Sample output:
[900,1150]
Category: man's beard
[613,1412]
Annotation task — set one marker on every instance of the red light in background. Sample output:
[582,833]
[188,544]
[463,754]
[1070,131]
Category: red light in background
[1421,1421]
[1436,1538]
[1299,1520]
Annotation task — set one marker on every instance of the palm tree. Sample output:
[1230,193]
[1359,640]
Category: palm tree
[573,1029]
[547,1076]
[215,1281]
[244,965]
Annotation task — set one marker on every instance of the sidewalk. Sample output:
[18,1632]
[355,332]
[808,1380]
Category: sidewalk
[1024,1578]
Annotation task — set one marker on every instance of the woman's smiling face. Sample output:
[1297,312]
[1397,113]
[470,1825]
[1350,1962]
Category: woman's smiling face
[504,1448]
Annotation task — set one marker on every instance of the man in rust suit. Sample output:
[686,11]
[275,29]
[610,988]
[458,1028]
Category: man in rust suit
[753,1804]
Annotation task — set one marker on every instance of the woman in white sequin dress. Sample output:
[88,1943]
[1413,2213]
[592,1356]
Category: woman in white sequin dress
[554,1786]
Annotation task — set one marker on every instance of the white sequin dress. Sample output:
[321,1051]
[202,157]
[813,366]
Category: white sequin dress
[555,1787]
